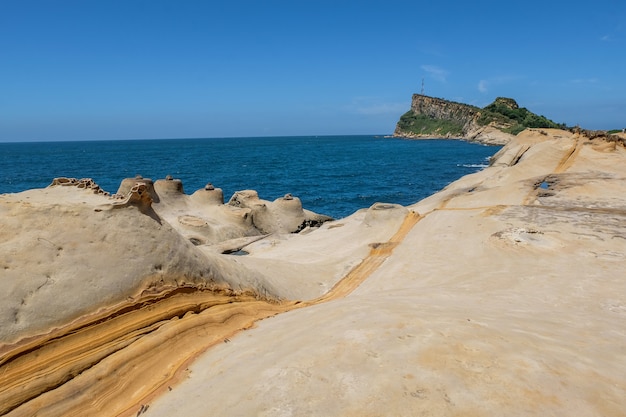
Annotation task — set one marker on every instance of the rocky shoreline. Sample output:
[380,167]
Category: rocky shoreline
[503,294]
[484,135]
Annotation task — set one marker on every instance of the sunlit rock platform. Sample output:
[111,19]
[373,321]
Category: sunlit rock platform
[502,294]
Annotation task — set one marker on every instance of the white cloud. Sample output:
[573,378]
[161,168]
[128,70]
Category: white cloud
[435,72]
[606,38]
[486,84]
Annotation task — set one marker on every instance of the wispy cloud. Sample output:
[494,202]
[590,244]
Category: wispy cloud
[486,83]
[606,38]
[436,72]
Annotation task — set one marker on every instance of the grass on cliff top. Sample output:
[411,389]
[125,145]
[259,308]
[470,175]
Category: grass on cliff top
[423,125]
[517,119]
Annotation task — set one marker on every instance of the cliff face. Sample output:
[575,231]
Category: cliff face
[431,117]
[495,124]
[437,108]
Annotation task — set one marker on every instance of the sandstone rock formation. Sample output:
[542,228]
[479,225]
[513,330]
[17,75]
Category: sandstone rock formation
[283,215]
[489,135]
[503,294]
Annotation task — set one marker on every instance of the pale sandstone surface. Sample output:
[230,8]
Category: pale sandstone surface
[89,280]
[505,296]
[307,265]
[505,299]
[486,135]
[489,135]
[66,251]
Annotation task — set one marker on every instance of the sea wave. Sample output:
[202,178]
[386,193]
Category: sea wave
[473,165]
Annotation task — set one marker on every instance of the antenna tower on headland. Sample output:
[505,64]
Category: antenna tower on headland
[422,93]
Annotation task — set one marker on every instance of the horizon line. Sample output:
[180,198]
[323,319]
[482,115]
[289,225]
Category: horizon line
[192,138]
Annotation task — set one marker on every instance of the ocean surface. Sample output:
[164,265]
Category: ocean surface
[332,175]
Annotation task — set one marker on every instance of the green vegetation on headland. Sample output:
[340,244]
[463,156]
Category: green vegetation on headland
[506,113]
[422,124]
[436,117]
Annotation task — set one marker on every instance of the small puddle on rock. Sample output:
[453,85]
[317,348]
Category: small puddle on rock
[238,253]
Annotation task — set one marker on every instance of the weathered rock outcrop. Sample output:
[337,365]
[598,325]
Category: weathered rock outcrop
[283,215]
[488,135]
[503,294]
[209,195]
[93,285]
[150,235]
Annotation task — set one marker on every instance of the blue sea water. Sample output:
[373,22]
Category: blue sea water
[332,175]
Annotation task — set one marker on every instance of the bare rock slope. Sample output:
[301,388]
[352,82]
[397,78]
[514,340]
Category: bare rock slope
[503,294]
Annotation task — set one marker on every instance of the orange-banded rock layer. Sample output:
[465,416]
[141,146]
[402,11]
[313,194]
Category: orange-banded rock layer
[97,357]
[126,355]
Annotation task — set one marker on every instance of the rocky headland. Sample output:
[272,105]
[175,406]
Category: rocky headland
[495,124]
[503,294]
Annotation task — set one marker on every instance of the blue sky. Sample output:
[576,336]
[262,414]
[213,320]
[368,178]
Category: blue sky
[131,69]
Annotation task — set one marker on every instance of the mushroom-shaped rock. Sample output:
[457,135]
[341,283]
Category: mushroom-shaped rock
[168,186]
[393,214]
[128,183]
[288,213]
[284,215]
[139,196]
[209,195]
[262,217]
[244,198]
